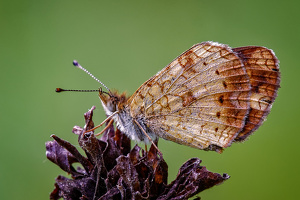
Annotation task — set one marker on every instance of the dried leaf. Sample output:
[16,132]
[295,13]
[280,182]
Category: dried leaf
[112,170]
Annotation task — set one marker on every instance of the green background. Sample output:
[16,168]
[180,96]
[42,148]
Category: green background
[124,43]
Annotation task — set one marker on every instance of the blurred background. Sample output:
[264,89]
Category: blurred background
[124,43]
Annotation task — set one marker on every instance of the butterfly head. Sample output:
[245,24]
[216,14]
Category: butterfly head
[112,101]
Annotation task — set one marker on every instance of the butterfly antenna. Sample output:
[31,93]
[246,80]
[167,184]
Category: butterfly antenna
[76,64]
[63,90]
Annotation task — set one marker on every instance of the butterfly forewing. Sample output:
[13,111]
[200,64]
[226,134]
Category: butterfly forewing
[201,99]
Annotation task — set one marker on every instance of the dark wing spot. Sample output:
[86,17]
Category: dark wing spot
[255,88]
[217,72]
[224,84]
[221,99]
[218,114]
[216,129]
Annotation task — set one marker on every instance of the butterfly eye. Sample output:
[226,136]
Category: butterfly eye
[114,100]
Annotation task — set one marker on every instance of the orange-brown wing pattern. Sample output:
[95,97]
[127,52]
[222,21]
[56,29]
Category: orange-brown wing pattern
[262,67]
[201,99]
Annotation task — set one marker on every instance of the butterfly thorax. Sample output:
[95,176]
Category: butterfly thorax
[125,122]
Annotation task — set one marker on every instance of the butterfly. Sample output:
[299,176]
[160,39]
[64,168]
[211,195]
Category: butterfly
[207,98]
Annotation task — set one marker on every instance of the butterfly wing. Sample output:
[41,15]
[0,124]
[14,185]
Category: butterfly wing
[201,99]
[262,67]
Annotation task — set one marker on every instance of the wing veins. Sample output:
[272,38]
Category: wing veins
[199,73]
[170,93]
[158,78]
[193,118]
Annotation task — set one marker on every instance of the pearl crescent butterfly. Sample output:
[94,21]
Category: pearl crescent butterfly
[207,98]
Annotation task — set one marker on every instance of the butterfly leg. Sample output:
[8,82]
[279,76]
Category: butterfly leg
[159,152]
[108,125]
[108,118]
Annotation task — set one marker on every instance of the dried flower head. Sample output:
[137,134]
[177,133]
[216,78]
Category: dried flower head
[112,170]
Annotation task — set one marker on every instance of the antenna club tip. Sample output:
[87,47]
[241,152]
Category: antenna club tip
[75,63]
[58,90]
